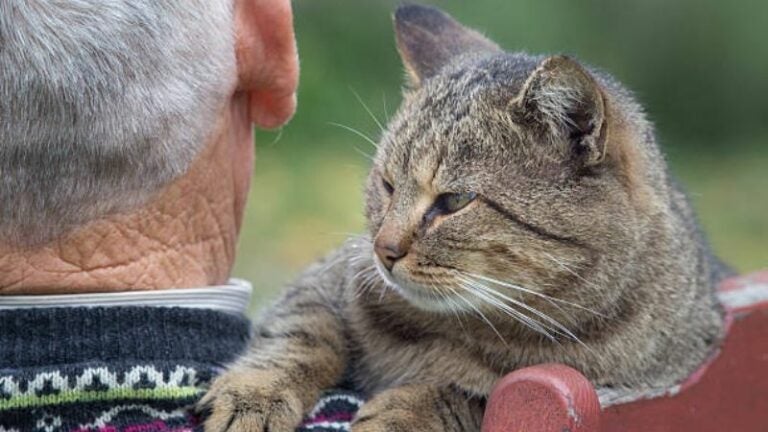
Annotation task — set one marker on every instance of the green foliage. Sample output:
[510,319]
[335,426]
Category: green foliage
[698,66]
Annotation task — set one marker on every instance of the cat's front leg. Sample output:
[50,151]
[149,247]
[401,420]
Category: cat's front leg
[299,349]
[420,408]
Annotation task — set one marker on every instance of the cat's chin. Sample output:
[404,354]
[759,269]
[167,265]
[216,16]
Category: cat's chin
[419,296]
[429,304]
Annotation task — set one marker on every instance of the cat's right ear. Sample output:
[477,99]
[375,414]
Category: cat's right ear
[563,98]
[428,39]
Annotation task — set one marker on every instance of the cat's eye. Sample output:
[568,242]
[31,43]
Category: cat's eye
[387,186]
[452,202]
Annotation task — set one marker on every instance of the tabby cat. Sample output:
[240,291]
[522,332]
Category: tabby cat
[520,212]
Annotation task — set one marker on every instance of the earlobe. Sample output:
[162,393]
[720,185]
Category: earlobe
[267,60]
[562,97]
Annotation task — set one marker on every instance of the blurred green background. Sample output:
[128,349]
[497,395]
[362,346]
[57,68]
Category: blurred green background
[700,67]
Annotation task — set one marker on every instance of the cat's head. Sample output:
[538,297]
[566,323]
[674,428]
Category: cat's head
[502,174]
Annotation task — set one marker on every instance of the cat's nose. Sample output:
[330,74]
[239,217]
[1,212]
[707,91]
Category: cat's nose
[389,252]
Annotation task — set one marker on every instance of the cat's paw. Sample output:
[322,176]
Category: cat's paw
[246,400]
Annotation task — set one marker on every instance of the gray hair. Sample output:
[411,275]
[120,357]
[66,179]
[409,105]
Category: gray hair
[102,103]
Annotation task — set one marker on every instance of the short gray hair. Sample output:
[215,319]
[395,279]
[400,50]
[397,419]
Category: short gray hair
[102,103]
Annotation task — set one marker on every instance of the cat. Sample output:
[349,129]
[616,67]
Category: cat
[520,212]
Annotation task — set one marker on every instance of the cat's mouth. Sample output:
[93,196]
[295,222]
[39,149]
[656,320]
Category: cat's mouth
[426,296]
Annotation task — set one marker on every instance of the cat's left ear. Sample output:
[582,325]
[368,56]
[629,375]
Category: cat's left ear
[562,97]
[428,39]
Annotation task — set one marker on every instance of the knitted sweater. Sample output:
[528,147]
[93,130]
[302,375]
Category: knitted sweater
[123,369]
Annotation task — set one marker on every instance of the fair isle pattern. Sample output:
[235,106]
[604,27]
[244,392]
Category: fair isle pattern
[97,384]
[118,397]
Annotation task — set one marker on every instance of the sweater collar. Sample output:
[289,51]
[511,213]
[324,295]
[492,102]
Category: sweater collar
[232,298]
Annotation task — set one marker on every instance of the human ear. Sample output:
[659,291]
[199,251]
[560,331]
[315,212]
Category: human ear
[267,60]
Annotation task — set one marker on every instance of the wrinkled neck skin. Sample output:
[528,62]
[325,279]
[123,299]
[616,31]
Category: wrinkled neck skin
[185,236]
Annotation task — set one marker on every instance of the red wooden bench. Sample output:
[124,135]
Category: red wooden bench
[728,393]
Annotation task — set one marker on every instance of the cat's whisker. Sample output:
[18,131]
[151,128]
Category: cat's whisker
[367,274]
[387,283]
[356,132]
[360,134]
[552,300]
[559,328]
[553,326]
[368,110]
[363,154]
[444,297]
[562,265]
[524,319]
[360,259]
[481,314]
[372,278]
[531,323]
[531,309]
[456,307]
[384,102]
[549,299]
[368,281]
[385,287]
[532,292]
[366,287]
[362,273]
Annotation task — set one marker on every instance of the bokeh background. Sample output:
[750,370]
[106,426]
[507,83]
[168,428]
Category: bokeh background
[700,67]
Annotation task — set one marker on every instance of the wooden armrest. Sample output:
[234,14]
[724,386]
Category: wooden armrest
[543,398]
[728,393]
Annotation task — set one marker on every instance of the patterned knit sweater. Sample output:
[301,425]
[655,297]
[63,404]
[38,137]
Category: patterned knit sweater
[123,369]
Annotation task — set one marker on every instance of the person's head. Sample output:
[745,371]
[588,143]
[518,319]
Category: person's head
[113,112]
